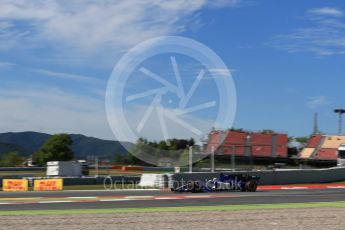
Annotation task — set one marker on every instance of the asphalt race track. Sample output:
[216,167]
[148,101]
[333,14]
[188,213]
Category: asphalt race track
[155,198]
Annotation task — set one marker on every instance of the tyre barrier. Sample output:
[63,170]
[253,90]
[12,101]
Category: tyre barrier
[154,180]
[100,180]
[22,169]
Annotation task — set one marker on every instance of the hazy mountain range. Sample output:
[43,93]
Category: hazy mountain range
[26,143]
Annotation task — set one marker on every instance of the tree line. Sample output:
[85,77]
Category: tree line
[56,148]
[172,148]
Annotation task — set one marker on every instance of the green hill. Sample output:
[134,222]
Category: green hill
[6,148]
[26,143]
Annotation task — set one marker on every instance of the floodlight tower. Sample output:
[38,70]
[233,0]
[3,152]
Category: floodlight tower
[340,112]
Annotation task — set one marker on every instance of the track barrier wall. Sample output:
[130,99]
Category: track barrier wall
[276,177]
[100,180]
[273,177]
[132,180]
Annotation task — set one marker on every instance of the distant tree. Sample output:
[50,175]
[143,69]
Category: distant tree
[130,159]
[119,158]
[235,129]
[163,145]
[184,158]
[11,159]
[267,131]
[191,142]
[302,140]
[56,148]
[177,144]
[172,148]
[291,139]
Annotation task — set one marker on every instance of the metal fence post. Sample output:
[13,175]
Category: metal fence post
[233,163]
[191,159]
[212,160]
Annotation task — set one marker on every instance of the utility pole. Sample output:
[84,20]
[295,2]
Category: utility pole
[233,164]
[212,159]
[190,159]
[96,165]
[249,149]
[340,112]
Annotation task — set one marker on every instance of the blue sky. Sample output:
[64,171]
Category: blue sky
[286,59]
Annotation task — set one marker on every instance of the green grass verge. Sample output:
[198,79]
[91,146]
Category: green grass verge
[14,173]
[84,187]
[176,209]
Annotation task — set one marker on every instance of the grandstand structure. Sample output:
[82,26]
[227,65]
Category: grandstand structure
[322,148]
[248,144]
[273,147]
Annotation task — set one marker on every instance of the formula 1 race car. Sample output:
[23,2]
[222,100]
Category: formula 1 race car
[240,182]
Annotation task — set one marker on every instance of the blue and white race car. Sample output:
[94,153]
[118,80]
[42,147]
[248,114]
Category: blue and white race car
[240,182]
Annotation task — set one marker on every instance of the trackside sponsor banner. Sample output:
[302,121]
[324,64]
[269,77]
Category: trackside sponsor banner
[48,185]
[10,185]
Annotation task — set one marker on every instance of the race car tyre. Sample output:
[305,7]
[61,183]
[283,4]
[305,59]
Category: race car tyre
[251,186]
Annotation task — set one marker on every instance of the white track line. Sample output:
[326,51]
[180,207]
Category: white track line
[138,197]
[112,200]
[294,188]
[86,197]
